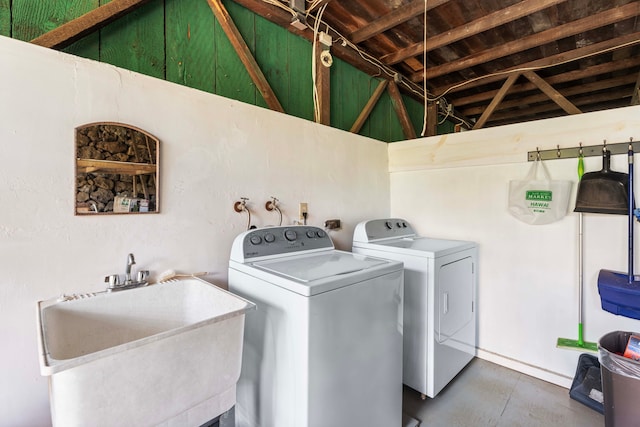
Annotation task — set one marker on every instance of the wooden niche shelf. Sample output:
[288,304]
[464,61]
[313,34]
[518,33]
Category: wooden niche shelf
[113,167]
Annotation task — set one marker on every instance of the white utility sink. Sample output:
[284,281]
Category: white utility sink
[157,355]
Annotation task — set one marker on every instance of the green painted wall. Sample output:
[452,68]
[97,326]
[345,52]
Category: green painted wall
[182,42]
[5,18]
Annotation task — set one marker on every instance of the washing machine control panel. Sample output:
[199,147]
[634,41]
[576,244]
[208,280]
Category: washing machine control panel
[284,240]
[383,229]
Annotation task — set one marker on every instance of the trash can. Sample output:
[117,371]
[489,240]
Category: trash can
[620,380]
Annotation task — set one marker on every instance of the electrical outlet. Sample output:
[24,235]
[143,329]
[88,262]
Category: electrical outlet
[304,211]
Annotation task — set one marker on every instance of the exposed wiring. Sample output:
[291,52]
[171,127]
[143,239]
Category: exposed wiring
[313,5]
[383,68]
[281,6]
[424,75]
[448,108]
[316,28]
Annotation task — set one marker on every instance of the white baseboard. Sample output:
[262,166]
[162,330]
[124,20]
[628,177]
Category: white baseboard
[531,370]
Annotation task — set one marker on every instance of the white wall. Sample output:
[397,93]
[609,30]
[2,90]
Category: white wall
[455,186]
[213,151]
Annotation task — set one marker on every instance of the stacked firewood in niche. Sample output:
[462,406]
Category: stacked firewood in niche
[96,191]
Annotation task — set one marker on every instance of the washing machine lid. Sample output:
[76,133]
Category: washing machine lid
[316,273]
[419,246]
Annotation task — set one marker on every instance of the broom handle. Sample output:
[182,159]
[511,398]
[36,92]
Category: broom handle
[580,267]
[630,194]
[580,256]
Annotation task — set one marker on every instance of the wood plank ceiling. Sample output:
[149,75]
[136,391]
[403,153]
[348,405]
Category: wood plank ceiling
[483,62]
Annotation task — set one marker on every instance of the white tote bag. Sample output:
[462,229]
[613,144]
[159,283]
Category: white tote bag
[538,201]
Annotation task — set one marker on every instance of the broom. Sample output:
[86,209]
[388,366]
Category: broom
[580,343]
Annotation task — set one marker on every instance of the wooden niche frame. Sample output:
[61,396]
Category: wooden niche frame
[116,169]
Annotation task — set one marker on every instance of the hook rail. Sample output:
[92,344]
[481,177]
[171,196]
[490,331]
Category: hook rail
[586,151]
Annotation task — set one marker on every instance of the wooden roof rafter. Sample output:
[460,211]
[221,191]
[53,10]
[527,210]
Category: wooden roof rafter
[74,30]
[393,19]
[573,45]
[492,20]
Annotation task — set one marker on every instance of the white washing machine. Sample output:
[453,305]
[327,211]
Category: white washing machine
[440,282]
[324,347]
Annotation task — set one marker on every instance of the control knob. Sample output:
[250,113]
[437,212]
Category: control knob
[290,235]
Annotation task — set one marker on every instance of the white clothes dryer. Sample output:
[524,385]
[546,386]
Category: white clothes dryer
[324,347]
[440,283]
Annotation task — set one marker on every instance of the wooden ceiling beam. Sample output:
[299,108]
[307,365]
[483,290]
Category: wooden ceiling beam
[548,90]
[495,19]
[74,30]
[576,90]
[549,61]
[392,19]
[540,97]
[241,48]
[534,112]
[495,101]
[610,16]
[594,98]
[570,76]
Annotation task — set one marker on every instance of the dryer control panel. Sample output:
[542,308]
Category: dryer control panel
[273,241]
[387,228]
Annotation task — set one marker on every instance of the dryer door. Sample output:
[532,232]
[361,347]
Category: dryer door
[454,290]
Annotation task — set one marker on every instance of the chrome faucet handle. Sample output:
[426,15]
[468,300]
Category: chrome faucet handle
[113,280]
[143,275]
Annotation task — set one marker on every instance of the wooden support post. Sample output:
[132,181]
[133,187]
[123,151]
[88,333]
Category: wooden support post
[245,54]
[74,30]
[368,108]
[323,87]
[635,98]
[555,96]
[496,100]
[432,119]
[401,111]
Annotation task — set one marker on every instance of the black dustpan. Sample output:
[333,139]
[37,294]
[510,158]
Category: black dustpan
[605,192]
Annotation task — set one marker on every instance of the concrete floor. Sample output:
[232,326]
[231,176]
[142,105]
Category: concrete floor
[486,394]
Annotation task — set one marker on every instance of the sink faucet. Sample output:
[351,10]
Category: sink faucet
[114,283]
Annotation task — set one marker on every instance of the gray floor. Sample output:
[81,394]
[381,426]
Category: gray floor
[486,394]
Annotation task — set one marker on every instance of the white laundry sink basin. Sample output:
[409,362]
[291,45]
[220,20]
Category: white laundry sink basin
[169,352]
